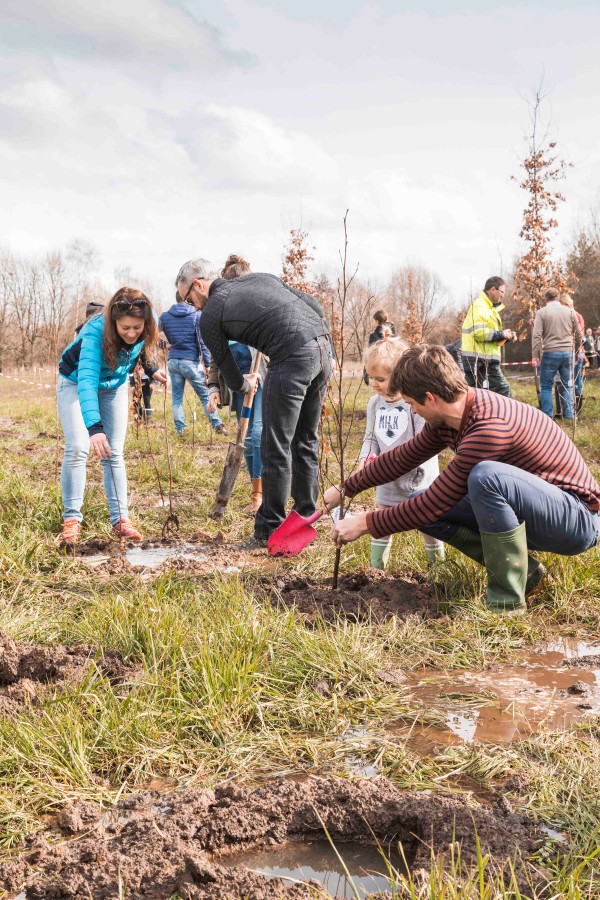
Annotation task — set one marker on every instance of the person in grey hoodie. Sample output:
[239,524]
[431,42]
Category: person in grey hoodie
[181,326]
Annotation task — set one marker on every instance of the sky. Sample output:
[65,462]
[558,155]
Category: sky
[161,130]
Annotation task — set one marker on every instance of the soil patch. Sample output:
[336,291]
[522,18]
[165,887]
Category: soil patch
[25,669]
[187,843]
[361,597]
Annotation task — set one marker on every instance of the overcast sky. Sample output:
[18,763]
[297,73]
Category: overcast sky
[160,130]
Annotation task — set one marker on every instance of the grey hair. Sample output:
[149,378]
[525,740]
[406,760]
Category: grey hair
[196,268]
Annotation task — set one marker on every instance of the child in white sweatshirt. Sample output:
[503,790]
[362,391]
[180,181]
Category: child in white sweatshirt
[391,422]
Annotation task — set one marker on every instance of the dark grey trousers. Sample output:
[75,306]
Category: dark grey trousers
[293,394]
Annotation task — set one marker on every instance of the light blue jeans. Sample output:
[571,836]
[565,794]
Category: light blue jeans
[243,357]
[114,408]
[552,363]
[182,370]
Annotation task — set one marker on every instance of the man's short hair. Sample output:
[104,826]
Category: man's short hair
[551,294]
[196,268]
[494,282]
[427,367]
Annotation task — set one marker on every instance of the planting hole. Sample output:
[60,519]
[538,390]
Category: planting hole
[368,871]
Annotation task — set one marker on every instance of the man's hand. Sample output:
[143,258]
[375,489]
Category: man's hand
[509,335]
[332,498]
[214,401]
[535,362]
[254,379]
[160,376]
[100,446]
[349,529]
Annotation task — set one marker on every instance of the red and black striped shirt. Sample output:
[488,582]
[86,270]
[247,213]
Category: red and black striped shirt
[493,428]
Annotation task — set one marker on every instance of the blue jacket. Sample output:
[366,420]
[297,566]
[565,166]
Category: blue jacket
[82,362]
[181,325]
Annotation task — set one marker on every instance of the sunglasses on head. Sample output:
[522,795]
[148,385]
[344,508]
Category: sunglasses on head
[126,305]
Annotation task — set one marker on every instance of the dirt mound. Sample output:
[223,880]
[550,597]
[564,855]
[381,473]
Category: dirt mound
[25,668]
[361,597]
[159,845]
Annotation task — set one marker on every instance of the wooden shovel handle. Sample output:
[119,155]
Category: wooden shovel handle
[248,401]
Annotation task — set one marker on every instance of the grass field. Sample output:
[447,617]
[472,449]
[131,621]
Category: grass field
[226,682]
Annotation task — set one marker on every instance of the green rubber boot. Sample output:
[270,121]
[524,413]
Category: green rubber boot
[469,543]
[506,561]
[380,552]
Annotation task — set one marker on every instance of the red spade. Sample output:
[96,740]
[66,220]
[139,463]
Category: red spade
[293,535]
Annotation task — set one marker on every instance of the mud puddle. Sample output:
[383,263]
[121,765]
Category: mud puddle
[360,597]
[27,670]
[195,842]
[549,688]
[346,870]
[185,556]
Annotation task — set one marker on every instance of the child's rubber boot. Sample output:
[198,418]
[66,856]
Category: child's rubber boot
[380,552]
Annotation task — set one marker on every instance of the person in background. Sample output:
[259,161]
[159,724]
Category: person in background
[244,356]
[92,309]
[556,339]
[188,359]
[142,406]
[390,423]
[589,348]
[381,320]
[580,360]
[93,405]
[289,327]
[482,337]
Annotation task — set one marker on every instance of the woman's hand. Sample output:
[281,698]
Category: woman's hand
[161,376]
[254,379]
[100,446]
[332,498]
[349,529]
[214,401]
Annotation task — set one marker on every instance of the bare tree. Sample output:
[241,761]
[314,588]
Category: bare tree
[416,290]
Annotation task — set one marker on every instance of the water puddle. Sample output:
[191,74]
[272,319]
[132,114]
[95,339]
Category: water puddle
[548,688]
[349,870]
[152,557]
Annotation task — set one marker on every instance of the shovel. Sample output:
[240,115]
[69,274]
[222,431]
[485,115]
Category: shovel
[294,534]
[235,454]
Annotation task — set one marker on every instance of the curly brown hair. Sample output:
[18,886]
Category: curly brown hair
[127,302]
[234,267]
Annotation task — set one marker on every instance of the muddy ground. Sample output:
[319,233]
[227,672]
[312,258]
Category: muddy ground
[360,597]
[28,670]
[156,845]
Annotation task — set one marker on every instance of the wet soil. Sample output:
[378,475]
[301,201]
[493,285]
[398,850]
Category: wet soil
[360,597]
[26,670]
[189,842]
[548,688]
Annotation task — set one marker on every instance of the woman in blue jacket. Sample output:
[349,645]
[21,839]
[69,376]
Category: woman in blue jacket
[93,404]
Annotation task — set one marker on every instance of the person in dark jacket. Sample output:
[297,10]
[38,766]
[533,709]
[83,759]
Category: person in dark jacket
[381,321]
[180,325]
[288,326]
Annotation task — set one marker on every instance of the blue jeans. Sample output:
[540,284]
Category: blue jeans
[243,357]
[551,364]
[500,497]
[114,408]
[182,370]
[578,378]
[293,394]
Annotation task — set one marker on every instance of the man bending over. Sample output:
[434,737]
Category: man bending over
[517,482]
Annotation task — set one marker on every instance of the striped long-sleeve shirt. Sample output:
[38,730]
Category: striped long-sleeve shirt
[493,427]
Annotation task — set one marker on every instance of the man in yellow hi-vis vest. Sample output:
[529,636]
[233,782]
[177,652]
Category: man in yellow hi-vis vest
[482,337]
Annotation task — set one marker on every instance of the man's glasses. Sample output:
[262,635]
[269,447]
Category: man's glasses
[126,305]
[186,299]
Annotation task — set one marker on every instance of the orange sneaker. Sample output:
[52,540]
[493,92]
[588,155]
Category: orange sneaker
[71,533]
[126,530]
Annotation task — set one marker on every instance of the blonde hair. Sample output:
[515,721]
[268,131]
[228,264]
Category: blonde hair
[385,353]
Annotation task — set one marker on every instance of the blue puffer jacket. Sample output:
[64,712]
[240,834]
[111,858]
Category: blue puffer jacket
[181,325]
[82,362]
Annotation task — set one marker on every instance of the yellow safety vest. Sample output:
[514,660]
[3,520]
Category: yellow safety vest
[481,321]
